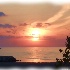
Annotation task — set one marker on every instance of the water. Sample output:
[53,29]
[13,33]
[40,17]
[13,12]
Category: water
[33,54]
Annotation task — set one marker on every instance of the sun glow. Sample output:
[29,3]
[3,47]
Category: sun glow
[35,39]
[36,33]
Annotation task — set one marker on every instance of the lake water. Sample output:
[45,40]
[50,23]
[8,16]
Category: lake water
[33,54]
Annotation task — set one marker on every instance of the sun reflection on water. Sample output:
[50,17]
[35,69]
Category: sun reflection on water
[35,56]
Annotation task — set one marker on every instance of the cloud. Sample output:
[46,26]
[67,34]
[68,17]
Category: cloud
[23,24]
[8,31]
[7,26]
[57,16]
[29,13]
[5,37]
[14,31]
[2,14]
[39,25]
[45,25]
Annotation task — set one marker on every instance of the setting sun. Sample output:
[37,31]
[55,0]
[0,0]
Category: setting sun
[35,32]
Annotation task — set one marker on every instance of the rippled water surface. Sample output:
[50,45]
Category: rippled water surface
[33,54]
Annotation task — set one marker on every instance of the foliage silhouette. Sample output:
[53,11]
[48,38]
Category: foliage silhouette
[65,61]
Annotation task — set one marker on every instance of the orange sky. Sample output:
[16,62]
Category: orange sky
[18,20]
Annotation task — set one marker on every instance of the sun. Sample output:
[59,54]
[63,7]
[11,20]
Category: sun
[35,34]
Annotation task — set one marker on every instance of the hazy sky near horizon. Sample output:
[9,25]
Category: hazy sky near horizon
[17,19]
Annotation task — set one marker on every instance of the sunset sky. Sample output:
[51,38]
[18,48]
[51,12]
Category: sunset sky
[17,21]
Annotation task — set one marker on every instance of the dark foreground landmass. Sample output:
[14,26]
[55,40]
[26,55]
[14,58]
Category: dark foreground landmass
[26,64]
[30,64]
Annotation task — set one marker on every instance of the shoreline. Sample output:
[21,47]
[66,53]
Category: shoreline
[27,64]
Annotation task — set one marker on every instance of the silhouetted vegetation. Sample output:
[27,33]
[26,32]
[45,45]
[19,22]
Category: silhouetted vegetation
[65,61]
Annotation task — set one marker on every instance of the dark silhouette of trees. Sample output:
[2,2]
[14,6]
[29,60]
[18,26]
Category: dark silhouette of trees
[66,54]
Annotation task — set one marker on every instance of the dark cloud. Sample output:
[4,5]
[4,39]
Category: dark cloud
[7,26]
[39,25]
[8,31]
[8,37]
[42,25]
[23,24]
[14,31]
[4,37]
[2,14]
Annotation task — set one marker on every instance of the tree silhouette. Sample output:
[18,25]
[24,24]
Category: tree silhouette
[66,54]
